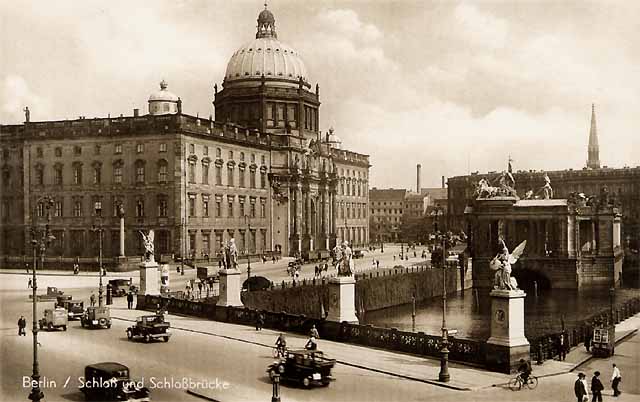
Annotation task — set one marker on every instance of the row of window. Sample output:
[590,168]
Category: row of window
[353,173]
[379,203]
[230,182]
[353,211]
[386,211]
[230,154]
[77,178]
[97,149]
[247,241]
[353,189]
[256,207]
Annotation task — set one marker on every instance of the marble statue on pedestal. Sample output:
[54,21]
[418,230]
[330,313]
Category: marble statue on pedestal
[231,255]
[502,262]
[147,241]
[345,267]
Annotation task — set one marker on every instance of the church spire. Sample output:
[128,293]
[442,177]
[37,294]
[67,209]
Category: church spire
[594,150]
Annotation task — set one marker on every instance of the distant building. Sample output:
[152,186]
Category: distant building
[387,208]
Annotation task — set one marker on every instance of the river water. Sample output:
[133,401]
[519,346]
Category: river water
[469,313]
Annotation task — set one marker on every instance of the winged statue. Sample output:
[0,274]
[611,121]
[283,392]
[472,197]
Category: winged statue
[502,262]
[147,241]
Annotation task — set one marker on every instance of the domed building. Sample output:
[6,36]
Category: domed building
[261,173]
[266,86]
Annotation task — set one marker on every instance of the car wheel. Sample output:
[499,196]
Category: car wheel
[129,334]
[50,327]
[306,382]
[102,322]
[147,338]
[325,383]
[166,338]
[109,325]
[280,368]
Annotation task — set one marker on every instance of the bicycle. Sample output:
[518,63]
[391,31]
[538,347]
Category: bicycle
[279,351]
[516,384]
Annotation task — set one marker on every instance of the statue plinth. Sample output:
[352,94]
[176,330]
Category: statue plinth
[507,344]
[342,299]
[230,288]
[149,278]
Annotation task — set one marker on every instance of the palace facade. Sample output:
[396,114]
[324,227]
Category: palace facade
[261,171]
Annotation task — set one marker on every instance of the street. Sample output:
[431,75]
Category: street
[220,354]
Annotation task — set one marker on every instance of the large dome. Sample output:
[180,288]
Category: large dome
[267,56]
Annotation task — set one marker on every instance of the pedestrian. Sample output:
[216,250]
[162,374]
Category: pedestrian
[130,300]
[92,299]
[30,283]
[587,339]
[616,378]
[259,322]
[273,259]
[580,389]
[596,387]
[394,257]
[76,268]
[22,324]
[314,332]
[377,263]
[200,288]
[27,267]
[562,347]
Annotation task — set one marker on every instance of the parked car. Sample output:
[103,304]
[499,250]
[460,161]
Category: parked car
[54,318]
[96,317]
[75,308]
[52,294]
[358,254]
[61,299]
[304,366]
[256,283]
[110,381]
[150,327]
[120,287]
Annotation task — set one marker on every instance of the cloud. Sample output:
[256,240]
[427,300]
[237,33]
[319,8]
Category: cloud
[347,23]
[479,27]
[15,95]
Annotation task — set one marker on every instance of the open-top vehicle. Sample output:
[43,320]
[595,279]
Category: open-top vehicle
[96,317]
[54,319]
[52,294]
[304,366]
[110,381]
[75,308]
[150,327]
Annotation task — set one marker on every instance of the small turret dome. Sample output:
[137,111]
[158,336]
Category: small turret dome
[163,101]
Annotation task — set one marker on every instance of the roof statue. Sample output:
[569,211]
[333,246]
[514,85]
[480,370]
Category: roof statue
[27,114]
[147,242]
[506,185]
[547,191]
[502,262]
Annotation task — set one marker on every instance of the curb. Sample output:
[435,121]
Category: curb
[201,396]
[426,381]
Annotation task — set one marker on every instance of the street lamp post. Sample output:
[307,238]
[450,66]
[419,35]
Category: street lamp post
[40,244]
[247,220]
[98,228]
[443,376]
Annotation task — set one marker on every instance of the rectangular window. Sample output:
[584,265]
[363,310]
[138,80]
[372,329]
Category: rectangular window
[140,208]
[241,175]
[280,117]
[140,174]
[118,149]
[230,207]
[263,208]
[77,208]
[218,175]
[205,206]
[205,173]
[192,172]
[162,173]
[263,180]
[77,174]
[218,208]
[192,148]
[117,174]
[205,150]
[242,207]
[139,148]
[57,210]
[230,176]
[252,178]
[270,115]
[253,210]
[192,205]
[58,152]
[206,248]
[39,152]
[77,150]
[163,147]
[39,176]
[162,207]
[97,174]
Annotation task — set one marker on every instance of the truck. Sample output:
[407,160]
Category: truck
[206,273]
[54,318]
[604,340]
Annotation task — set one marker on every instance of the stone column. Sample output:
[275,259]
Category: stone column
[122,236]
[334,220]
[568,236]
[594,243]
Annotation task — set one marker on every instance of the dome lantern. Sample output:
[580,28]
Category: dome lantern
[266,24]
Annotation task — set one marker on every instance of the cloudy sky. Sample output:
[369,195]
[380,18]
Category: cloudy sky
[454,85]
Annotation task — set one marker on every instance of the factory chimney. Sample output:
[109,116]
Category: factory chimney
[418,167]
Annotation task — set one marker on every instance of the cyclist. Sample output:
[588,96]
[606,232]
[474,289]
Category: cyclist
[281,344]
[311,343]
[524,370]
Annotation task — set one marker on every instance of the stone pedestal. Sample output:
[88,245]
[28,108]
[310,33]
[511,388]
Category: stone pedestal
[149,278]
[230,288]
[342,299]
[507,344]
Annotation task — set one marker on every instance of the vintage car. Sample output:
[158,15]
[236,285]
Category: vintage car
[75,308]
[150,327]
[358,254]
[120,287]
[54,319]
[52,294]
[110,381]
[96,317]
[61,299]
[304,366]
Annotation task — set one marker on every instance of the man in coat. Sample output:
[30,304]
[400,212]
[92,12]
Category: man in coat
[130,300]
[596,387]
[579,388]
[22,324]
